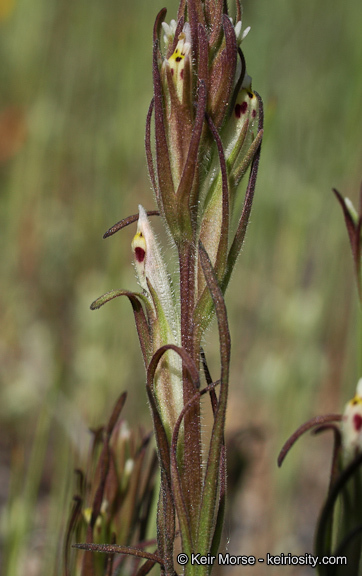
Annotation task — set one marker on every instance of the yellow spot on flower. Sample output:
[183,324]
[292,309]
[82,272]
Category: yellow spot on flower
[356,400]
[139,247]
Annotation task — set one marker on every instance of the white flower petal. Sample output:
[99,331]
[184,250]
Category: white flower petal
[238,28]
[245,33]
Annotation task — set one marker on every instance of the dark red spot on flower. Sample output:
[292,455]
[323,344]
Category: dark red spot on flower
[178,59]
[241,109]
[172,71]
[251,95]
[253,114]
[357,422]
[139,254]
[182,74]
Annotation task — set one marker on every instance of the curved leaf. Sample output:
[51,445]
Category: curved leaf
[117,549]
[323,543]
[189,364]
[126,221]
[224,233]
[165,511]
[313,422]
[142,324]
[164,175]
[248,201]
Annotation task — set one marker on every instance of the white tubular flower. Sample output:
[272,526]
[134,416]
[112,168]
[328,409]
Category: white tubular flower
[352,426]
[150,266]
[178,59]
[154,279]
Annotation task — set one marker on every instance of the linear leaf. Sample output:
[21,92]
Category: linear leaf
[211,487]
[189,170]
[224,236]
[142,324]
[117,549]
[312,423]
[126,221]
[248,202]
[151,169]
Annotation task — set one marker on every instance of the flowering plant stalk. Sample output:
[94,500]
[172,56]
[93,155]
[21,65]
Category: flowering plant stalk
[207,126]
[339,529]
[114,497]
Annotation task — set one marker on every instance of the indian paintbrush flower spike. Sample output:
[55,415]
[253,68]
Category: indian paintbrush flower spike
[203,73]
[207,124]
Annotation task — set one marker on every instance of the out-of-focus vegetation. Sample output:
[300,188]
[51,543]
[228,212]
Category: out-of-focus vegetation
[75,86]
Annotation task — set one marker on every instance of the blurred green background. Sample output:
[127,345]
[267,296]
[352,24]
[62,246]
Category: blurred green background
[75,87]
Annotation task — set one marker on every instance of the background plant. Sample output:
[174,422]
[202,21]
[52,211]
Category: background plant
[339,528]
[70,71]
